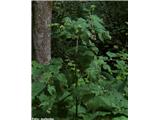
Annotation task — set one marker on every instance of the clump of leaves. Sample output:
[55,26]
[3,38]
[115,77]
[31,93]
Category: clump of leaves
[54,92]
[81,82]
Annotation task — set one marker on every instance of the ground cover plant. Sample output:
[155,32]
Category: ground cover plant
[87,77]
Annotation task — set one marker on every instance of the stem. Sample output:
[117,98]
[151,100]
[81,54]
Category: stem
[76,108]
[76,82]
[77,46]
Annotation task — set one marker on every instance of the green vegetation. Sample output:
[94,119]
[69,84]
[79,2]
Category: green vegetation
[87,78]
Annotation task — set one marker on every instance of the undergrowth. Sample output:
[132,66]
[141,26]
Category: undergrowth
[80,83]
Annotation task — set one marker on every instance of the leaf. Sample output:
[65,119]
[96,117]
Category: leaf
[120,118]
[81,91]
[61,77]
[92,73]
[51,89]
[46,76]
[99,28]
[57,61]
[101,102]
[37,70]
[81,110]
[56,65]
[65,94]
[120,64]
[118,99]
[81,81]
[37,87]
[81,23]
[46,102]
[107,35]
[43,97]
[84,37]
[54,69]
[66,20]
[107,67]
[88,53]
[94,69]
[95,49]
[100,114]
[111,54]
[95,88]
[100,37]
[96,21]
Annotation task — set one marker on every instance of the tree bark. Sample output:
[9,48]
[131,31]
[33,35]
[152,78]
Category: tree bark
[41,33]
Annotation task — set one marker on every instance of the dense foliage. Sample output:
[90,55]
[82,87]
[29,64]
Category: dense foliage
[114,14]
[87,78]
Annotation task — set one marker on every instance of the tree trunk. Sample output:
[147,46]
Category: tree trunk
[41,33]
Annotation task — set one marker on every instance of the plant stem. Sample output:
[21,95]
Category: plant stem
[77,46]
[76,82]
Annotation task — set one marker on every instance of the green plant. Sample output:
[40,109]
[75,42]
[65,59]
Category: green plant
[80,83]
[56,94]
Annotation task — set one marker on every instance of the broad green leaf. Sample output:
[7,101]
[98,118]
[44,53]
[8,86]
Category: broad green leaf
[57,61]
[81,109]
[67,20]
[100,37]
[100,114]
[101,102]
[37,87]
[43,97]
[51,89]
[46,101]
[46,76]
[56,65]
[120,118]
[107,67]
[61,77]
[65,94]
[81,23]
[88,53]
[81,81]
[111,54]
[107,35]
